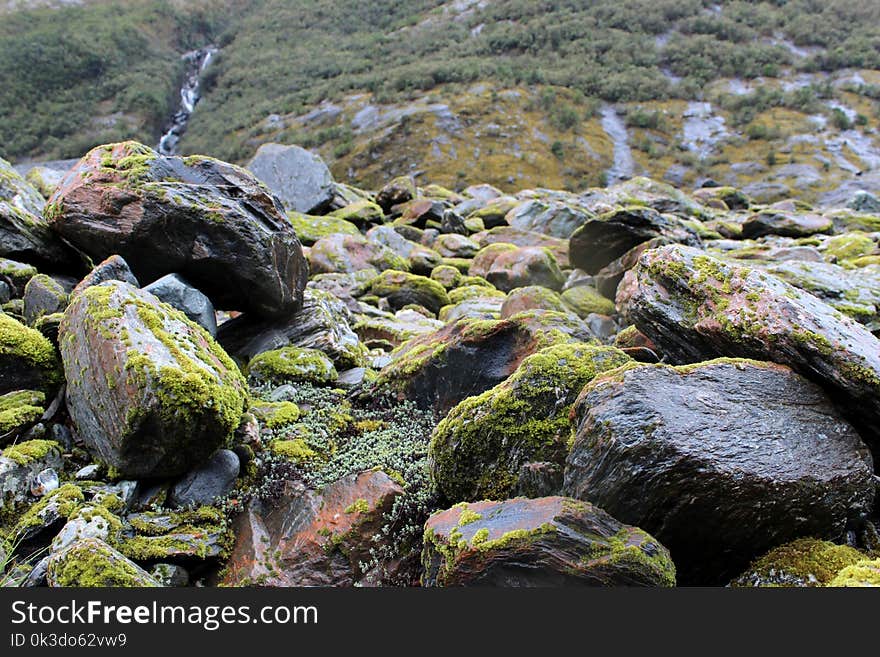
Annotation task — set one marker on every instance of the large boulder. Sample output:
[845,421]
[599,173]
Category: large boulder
[552,218]
[605,238]
[694,306]
[345,254]
[90,563]
[478,451]
[529,265]
[806,562]
[150,392]
[299,178]
[310,537]
[465,358]
[545,542]
[211,222]
[24,233]
[721,461]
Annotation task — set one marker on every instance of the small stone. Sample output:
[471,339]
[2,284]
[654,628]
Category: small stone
[44,483]
[209,482]
[176,292]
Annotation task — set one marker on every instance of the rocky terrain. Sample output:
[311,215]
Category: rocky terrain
[262,376]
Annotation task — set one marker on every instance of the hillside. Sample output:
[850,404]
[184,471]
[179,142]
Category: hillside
[778,97]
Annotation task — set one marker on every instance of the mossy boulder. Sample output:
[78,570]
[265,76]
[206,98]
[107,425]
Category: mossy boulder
[481,291]
[482,261]
[396,192]
[510,235]
[16,275]
[530,265]
[478,450]
[865,573]
[549,217]
[452,245]
[20,409]
[402,288]
[43,295]
[360,212]
[544,542]
[787,224]
[397,328]
[92,563]
[759,453]
[190,536]
[19,464]
[309,229]
[421,258]
[804,562]
[847,247]
[24,233]
[274,415]
[532,297]
[694,306]
[151,392]
[584,300]
[28,360]
[351,253]
[211,222]
[448,276]
[292,364]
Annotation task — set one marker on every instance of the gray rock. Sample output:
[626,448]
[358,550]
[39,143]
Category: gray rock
[169,574]
[208,482]
[16,476]
[37,576]
[175,291]
[85,523]
[88,473]
[549,218]
[113,268]
[721,461]
[863,201]
[299,178]
[43,295]
[44,482]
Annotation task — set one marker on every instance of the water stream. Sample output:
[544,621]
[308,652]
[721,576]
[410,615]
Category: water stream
[623,164]
[196,62]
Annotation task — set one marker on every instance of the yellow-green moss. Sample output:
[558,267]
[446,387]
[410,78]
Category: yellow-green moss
[275,414]
[29,349]
[865,573]
[92,563]
[293,364]
[20,408]
[32,450]
[804,562]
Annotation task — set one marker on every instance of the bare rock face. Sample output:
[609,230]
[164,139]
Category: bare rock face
[694,306]
[721,461]
[312,538]
[299,178]
[150,392]
[211,222]
[549,541]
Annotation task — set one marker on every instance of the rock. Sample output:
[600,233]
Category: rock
[44,482]
[19,464]
[694,306]
[480,307]
[16,275]
[160,395]
[114,268]
[309,229]
[169,574]
[351,253]
[438,370]
[453,245]
[732,198]
[530,265]
[449,277]
[28,361]
[545,542]
[209,221]
[801,563]
[398,191]
[477,451]
[787,224]
[402,289]
[585,300]
[607,237]
[865,573]
[518,237]
[484,259]
[176,292]
[19,410]
[421,259]
[397,328]
[749,470]
[89,522]
[323,323]
[299,178]
[312,538]
[531,297]
[548,217]
[420,213]
[36,528]
[189,537]
[89,472]
[291,364]
[360,213]
[863,201]
[43,295]
[208,482]
[24,234]
[92,563]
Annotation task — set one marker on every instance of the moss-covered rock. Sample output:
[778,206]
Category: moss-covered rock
[804,562]
[194,535]
[310,228]
[27,359]
[482,261]
[583,300]
[20,409]
[477,451]
[465,292]
[402,288]
[360,212]
[43,295]
[17,273]
[273,415]
[352,253]
[151,392]
[448,276]
[847,247]
[549,541]
[532,297]
[865,573]
[292,364]
[92,563]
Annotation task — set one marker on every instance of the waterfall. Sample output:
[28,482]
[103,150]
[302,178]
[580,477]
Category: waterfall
[196,63]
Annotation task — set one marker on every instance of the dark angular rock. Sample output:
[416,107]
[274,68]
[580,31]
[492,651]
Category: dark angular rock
[545,542]
[209,221]
[299,178]
[721,461]
[43,295]
[176,292]
[208,482]
[114,268]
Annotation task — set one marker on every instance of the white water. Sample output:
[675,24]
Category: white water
[197,61]
[623,165]
[702,129]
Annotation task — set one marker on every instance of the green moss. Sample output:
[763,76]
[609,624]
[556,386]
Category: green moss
[401,287]
[360,505]
[465,292]
[584,300]
[67,498]
[360,212]
[20,408]
[92,563]
[865,573]
[29,349]
[851,245]
[310,229]
[449,277]
[295,450]
[477,450]
[32,450]
[467,517]
[292,364]
[275,414]
[804,562]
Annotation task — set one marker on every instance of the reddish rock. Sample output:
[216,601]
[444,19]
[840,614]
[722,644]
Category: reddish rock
[510,235]
[544,542]
[211,222]
[350,253]
[530,265]
[786,224]
[311,538]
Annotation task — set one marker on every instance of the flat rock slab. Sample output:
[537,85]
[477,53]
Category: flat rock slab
[721,461]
